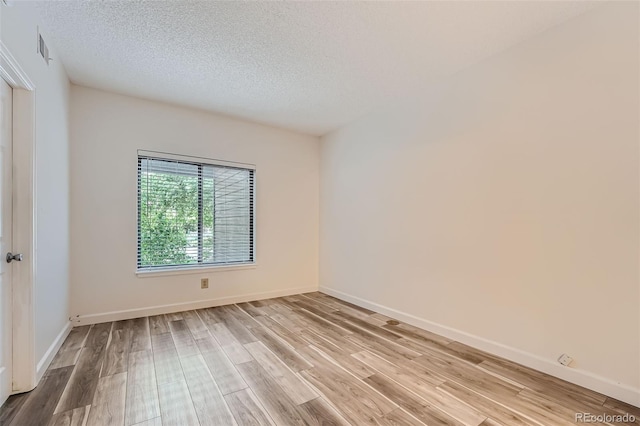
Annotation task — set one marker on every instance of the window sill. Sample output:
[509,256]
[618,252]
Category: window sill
[159,272]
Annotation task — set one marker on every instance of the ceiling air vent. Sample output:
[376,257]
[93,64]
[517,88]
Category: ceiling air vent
[43,50]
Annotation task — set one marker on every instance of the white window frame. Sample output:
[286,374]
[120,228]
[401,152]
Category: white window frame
[194,268]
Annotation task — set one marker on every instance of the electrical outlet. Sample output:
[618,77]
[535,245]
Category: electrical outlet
[204,283]
[565,359]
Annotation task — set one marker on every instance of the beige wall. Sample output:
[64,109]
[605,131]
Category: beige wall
[106,132]
[19,25]
[503,208]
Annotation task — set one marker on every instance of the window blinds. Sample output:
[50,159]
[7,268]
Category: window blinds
[192,213]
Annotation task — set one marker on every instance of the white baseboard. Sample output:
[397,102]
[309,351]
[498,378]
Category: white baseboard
[579,377]
[43,364]
[186,306]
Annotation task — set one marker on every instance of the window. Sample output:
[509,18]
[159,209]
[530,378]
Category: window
[193,212]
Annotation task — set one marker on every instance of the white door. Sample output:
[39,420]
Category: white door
[6,144]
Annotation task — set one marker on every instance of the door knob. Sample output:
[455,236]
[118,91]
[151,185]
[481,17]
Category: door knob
[11,257]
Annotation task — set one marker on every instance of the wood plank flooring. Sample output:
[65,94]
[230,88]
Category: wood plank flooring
[308,359]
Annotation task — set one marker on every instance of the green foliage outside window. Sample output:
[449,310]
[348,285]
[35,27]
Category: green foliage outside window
[169,232]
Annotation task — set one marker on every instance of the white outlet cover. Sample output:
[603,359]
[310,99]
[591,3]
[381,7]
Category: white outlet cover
[565,359]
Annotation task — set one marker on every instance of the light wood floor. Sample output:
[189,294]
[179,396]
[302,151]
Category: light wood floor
[306,359]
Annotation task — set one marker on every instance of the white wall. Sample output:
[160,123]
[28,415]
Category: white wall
[503,209]
[18,29]
[106,132]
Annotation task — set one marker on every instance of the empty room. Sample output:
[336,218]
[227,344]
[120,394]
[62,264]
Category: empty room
[319,213]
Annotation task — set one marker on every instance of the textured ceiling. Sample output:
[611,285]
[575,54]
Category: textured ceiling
[307,66]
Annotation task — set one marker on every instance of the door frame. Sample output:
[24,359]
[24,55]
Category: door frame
[24,374]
